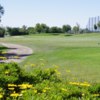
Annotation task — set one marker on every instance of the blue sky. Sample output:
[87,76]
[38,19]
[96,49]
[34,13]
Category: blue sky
[50,12]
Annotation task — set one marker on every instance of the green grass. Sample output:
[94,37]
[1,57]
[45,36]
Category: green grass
[78,53]
[3,49]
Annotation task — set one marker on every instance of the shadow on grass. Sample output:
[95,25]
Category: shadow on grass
[11,56]
[68,35]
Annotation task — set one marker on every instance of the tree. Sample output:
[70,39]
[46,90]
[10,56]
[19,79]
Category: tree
[31,30]
[66,28]
[13,31]
[76,29]
[2,32]
[1,11]
[23,30]
[55,29]
[98,24]
[44,28]
[95,27]
[38,28]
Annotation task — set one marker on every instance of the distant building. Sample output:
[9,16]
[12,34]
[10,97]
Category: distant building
[93,21]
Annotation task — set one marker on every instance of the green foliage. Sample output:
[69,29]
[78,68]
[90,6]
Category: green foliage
[9,73]
[31,30]
[66,28]
[17,31]
[41,28]
[2,32]
[1,11]
[42,84]
[76,29]
[55,29]
[95,27]
[98,24]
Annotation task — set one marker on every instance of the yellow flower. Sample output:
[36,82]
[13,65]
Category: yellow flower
[83,94]
[1,96]
[14,95]
[84,84]
[25,86]
[65,90]
[11,88]
[12,85]
[80,84]
[35,91]
[96,95]
[7,72]
[44,90]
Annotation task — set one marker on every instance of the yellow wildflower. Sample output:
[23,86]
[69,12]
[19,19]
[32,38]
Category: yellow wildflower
[11,88]
[96,95]
[83,94]
[65,90]
[25,86]
[80,84]
[44,90]
[35,91]
[7,72]
[14,95]
[1,96]
[12,85]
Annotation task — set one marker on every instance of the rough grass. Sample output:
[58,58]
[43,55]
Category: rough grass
[78,53]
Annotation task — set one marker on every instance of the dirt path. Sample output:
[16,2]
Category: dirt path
[16,53]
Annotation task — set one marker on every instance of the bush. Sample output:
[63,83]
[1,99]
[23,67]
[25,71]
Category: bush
[42,84]
[16,31]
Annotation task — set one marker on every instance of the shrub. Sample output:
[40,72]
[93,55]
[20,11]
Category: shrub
[42,84]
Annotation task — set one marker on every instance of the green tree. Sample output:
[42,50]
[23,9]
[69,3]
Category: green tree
[31,30]
[95,27]
[44,28]
[38,28]
[98,24]
[66,28]
[2,32]
[23,30]
[55,29]
[1,11]
[13,31]
[76,28]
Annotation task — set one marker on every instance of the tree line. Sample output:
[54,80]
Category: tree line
[41,28]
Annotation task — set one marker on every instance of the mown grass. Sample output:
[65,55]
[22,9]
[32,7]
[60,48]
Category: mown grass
[78,53]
